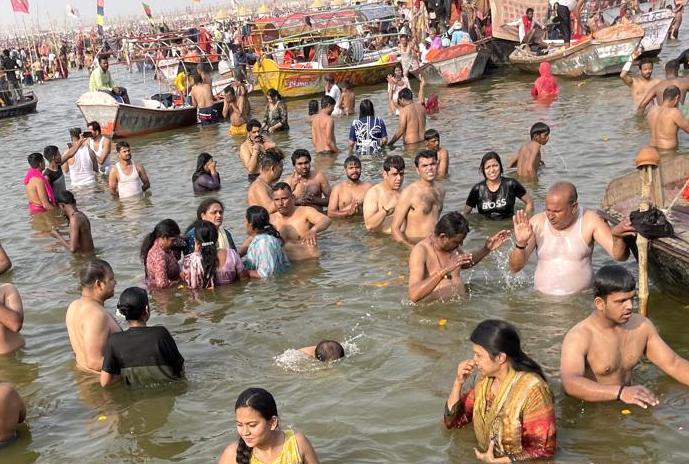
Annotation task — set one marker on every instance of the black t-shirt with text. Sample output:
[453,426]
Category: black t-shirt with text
[498,204]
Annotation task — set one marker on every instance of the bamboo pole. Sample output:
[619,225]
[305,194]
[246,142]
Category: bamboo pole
[642,242]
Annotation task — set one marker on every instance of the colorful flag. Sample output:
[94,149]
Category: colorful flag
[20,6]
[147,10]
[100,14]
[72,12]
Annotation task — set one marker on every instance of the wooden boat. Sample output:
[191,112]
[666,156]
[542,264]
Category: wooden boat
[454,65]
[303,79]
[668,257]
[600,54]
[655,24]
[505,38]
[26,106]
[122,120]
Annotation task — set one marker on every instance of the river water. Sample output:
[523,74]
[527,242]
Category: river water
[384,403]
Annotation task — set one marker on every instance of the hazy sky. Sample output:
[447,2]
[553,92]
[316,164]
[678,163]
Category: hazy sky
[55,9]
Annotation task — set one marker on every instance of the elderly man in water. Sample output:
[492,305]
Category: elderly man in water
[600,353]
[563,237]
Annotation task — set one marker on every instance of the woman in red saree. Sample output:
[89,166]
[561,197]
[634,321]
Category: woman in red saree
[546,85]
[510,405]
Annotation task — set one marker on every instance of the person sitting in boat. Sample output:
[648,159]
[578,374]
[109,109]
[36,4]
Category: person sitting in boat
[202,98]
[457,34]
[530,30]
[101,81]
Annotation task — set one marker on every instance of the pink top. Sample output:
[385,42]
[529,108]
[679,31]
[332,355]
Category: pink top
[32,173]
[162,268]
[230,270]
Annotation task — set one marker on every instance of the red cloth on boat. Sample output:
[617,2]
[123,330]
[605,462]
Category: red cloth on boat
[528,24]
[205,40]
[546,85]
[685,191]
[432,105]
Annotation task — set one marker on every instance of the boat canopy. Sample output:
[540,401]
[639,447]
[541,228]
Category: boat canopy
[507,11]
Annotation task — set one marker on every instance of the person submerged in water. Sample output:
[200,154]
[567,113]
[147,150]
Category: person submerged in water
[546,85]
[528,158]
[324,351]
[80,238]
[38,190]
[12,413]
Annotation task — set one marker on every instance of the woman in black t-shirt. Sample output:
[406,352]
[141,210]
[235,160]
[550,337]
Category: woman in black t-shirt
[141,355]
[495,196]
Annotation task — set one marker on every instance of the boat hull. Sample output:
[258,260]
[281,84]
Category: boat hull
[20,109]
[302,82]
[655,24]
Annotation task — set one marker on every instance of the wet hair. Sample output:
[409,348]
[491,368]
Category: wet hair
[201,161]
[206,234]
[132,303]
[644,61]
[274,94]
[405,94]
[431,134]
[164,229]
[452,224]
[327,100]
[611,279]
[539,128]
[313,107]
[491,155]
[229,89]
[282,186]
[496,336]
[329,350]
[425,154]
[569,187]
[197,78]
[51,152]
[262,402]
[366,109]
[271,158]
[259,220]
[94,126]
[75,132]
[252,123]
[393,161]
[671,92]
[35,160]
[300,153]
[120,145]
[672,67]
[352,160]
[94,270]
[65,197]
[205,205]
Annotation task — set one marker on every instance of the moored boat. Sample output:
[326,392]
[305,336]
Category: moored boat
[655,24]
[25,106]
[668,257]
[454,65]
[600,54]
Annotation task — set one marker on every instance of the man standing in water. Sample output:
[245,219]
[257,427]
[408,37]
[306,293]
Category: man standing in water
[671,79]
[420,204]
[432,140]
[12,413]
[412,124]
[435,261]
[298,225]
[311,188]
[11,319]
[347,197]
[128,179]
[38,190]
[641,84]
[600,353]
[323,127]
[381,199]
[88,323]
[234,111]
[261,190]
[202,98]
[101,146]
[563,237]
[252,149]
[665,121]
[80,239]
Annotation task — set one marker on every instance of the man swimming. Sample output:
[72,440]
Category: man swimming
[38,190]
[347,197]
[381,199]
[324,351]
[12,413]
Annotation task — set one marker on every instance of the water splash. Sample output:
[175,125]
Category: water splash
[297,361]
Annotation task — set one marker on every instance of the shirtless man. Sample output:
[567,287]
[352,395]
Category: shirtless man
[671,79]
[80,239]
[12,413]
[323,127]
[310,187]
[202,98]
[432,139]
[261,190]
[563,237]
[298,225]
[527,160]
[5,262]
[641,84]
[347,197]
[252,149]
[600,352]
[11,319]
[233,110]
[420,204]
[665,121]
[381,199]
[88,323]
[435,261]
[38,190]
[412,123]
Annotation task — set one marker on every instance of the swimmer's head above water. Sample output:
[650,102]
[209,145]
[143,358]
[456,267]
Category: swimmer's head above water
[329,350]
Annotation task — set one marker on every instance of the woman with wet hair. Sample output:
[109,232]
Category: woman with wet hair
[510,404]
[206,177]
[199,267]
[264,254]
[141,355]
[275,118]
[260,439]
[160,252]
[211,210]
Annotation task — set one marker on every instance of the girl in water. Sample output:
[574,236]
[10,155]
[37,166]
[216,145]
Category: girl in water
[159,252]
[198,268]
[260,439]
[264,255]
[510,404]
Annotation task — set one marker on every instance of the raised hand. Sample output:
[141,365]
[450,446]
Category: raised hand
[522,228]
[496,241]
[464,370]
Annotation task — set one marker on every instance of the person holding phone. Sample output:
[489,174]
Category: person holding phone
[83,166]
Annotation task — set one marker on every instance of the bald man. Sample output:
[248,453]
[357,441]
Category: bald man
[563,237]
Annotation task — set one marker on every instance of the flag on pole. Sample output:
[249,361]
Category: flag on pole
[20,6]
[72,12]
[100,15]
[147,10]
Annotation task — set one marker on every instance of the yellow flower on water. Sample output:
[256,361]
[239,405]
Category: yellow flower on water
[442,322]
[626,412]
[382,284]
[102,418]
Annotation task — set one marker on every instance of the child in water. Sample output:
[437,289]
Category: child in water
[325,351]
[528,159]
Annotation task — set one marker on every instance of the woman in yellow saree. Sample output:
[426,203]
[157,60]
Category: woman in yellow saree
[510,404]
